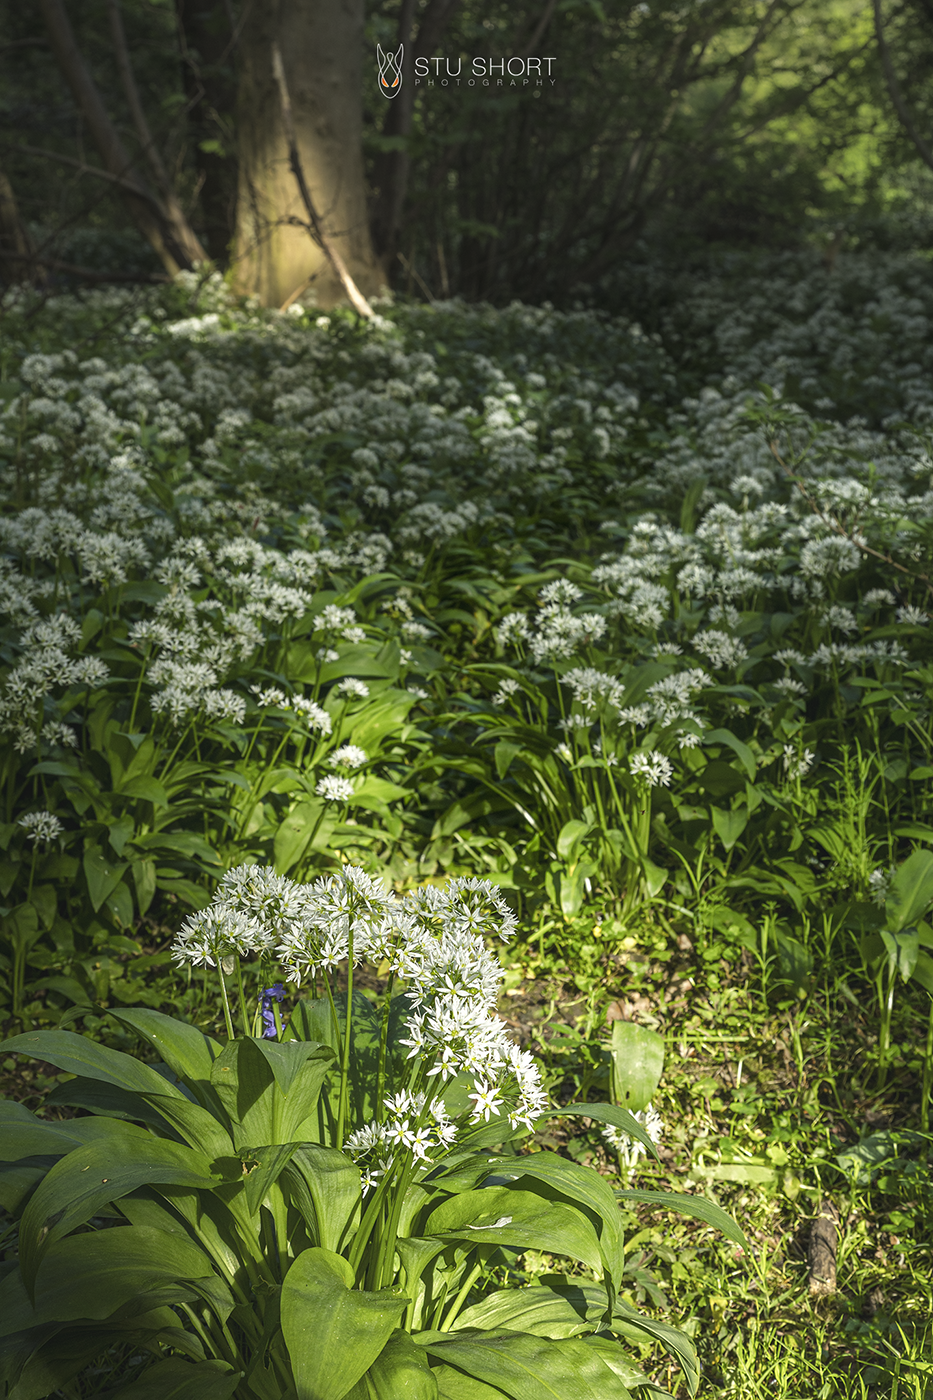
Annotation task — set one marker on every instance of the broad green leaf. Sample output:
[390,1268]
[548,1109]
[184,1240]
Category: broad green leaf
[504,754]
[455,1385]
[77,1054]
[655,876]
[400,1372]
[93,1176]
[175,1379]
[923,972]
[729,825]
[570,834]
[579,1186]
[248,1076]
[516,1219]
[333,1331]
[742,751]
[263,1167]
[102,877]
[188,1052]
[605,1113]
[911,892]
[524,1367]
[633,1325]
[147,788]
[542,1311]
[95,1274]
[99,1097]
[196,1126]
[332,1182]
[295,833]
[637,1055]
[694,1206]
[903,949]
[611,1353]
[22,1134]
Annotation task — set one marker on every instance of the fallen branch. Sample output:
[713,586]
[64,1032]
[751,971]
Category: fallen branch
[315,227]
[821,1250]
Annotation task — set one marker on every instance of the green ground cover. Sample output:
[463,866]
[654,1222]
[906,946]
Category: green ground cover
[626,616]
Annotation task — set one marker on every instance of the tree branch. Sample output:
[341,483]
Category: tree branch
[895,94]
[356,298]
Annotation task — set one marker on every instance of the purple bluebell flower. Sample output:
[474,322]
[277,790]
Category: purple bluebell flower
[276,992]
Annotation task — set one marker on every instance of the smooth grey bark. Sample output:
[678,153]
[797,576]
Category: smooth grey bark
[322,52]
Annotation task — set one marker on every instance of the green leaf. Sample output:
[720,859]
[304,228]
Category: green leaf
[580,1187]
[147,788]
[542,1310]
[77,1054]
[454,1385]
[911,892]
[269,1089]
[92,1176]
[102,877]
[637,1055]
[605,1113]
[295,833]
[729,825]
[525,1367]
[95,1274]
[175,1379]
[742,751]
[635,1326]
[188,1052]
[332,1183]
[511,1217]
[333,1331]
[22,1134]
[264,1166]
[570,834]
[400,1372]
[694,1206]
[504,754]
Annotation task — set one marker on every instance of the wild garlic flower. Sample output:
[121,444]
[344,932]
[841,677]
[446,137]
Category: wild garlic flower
[629,1149]
[652,767]
[334,789]
[798,765]
[348,756]
[723,652]
[41,827]
[352,688]
[879,885]
[512,628]
[789,687]
[349,907]
[508,687]
[314,715]
[216,935]
[914,617]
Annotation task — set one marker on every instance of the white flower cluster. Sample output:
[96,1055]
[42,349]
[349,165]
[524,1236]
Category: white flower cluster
[628,1148]
[41,827]
[433,940]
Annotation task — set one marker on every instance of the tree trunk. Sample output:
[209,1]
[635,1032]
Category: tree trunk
[17,254]
[322,48]
[172,241]
[208,42]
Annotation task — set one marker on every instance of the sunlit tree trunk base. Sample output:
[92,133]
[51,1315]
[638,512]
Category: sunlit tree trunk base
[276,258]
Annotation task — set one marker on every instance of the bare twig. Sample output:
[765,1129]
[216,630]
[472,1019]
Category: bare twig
[416,275]
[123,182]
[840,529]
[897,97]
[316,228]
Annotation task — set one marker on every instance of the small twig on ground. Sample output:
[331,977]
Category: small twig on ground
[821,1250]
